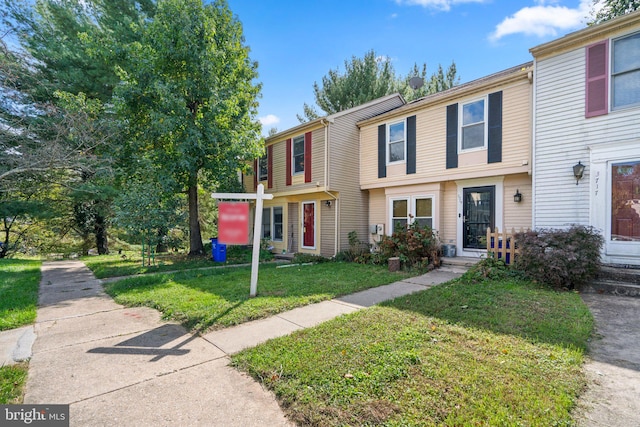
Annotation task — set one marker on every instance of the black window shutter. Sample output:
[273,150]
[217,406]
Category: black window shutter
[452,136]
[495,128]
[411,145]
[382,151]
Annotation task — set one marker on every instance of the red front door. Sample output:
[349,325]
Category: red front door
[309,222]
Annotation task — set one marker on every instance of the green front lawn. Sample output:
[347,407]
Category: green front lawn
[12,380]
[130,263]
[498,353]
[19,281]
[211,299]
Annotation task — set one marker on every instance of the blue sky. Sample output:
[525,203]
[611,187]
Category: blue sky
[297,42]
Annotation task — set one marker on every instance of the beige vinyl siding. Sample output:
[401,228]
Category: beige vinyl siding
[343,176]
[448,232]
[377,211]
[327,228]
[517,215]
[431,142]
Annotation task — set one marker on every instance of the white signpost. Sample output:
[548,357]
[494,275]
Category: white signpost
[257,223]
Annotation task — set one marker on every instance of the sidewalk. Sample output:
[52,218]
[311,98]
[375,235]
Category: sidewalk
[125,366]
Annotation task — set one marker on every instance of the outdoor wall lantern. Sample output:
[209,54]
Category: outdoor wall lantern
[578,171]
[517,197]
[328,203]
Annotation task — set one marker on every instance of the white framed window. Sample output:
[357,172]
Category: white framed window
[625,72]
[411,209]
[272,223]
[472,133]
[278,221]
[263,168]
[396,142]
[297,154]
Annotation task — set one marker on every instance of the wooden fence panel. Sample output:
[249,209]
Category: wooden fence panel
[501,245]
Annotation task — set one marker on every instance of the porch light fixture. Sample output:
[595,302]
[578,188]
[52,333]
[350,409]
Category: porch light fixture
[517,198]
[578,171]
[328,203]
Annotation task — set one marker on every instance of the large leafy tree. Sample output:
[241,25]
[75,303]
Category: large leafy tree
[70,48]
[188,100]
[611,8]
[370,77]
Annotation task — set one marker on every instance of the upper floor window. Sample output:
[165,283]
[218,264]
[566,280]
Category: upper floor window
[625,71]
[396,142]
[298,154]
[472,125]
[263,168]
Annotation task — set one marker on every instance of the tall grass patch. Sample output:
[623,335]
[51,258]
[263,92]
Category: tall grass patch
[19,281]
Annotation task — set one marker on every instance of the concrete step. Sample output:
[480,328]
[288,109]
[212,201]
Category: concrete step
[458,262]
[620,274]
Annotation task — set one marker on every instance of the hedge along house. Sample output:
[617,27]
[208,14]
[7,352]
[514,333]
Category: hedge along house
[453,160]
[587,115]
[312,171]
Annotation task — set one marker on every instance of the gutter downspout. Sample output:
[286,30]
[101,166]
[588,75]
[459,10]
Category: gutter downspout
[532,156]
[325,123]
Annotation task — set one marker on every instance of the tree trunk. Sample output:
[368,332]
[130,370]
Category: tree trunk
[100,228]
[161,247]
[195,237]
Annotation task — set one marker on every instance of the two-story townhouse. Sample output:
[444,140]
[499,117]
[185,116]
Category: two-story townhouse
[458,161]
[587,134]
[312,170]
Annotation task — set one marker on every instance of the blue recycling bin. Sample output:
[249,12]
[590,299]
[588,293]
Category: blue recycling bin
[218,251]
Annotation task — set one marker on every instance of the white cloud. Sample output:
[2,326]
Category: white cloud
[444,5]
[545,19]
[269,119]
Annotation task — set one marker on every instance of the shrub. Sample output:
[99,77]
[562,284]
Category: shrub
[413,245]
[302,258]
[358,251]
[487,269]
[559,258]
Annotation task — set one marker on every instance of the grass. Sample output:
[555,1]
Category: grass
[12,380]
[19,280]
[116,265]
[502,352]
[211,299]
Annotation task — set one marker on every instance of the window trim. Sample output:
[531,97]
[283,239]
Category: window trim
[411,209]
[611,75]
[272,223]
[485,121]
[299,138]
[388,142]
[263,161]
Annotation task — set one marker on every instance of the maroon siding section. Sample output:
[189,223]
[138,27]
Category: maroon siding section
[597,83]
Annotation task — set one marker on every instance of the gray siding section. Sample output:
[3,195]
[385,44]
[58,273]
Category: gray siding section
[327,228]
[293,228]
[344,170]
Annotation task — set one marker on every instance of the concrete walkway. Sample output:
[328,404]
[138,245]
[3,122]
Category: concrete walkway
[125,366]
[613,366]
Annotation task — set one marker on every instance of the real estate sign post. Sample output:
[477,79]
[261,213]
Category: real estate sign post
[234,219]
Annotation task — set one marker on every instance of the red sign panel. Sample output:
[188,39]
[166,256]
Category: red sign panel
[233,223]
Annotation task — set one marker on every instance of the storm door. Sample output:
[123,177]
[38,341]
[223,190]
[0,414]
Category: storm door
[479,214]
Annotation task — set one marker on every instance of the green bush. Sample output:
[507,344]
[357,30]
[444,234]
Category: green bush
[560,259]
[488,269]
[302,258]
[415,246]
[358,251]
